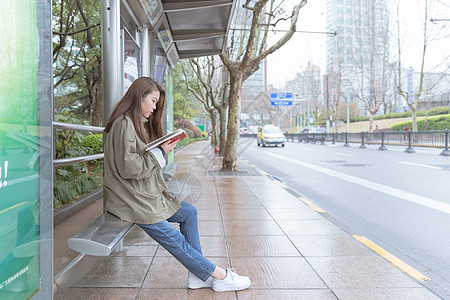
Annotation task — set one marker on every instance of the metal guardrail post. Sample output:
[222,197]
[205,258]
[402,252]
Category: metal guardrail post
[322,142]
[346,140]
[363,146]
[445,152]
[334,140]
[382,147]
[409,149]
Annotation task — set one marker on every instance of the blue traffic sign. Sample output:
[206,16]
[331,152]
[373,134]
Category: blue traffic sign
[281,103]
[281,99]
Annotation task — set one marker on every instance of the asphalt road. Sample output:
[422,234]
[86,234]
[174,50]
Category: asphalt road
[401,201]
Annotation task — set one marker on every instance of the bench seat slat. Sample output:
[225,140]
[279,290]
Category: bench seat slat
[101,236]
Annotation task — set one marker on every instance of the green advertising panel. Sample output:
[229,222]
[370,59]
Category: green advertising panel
[19,150]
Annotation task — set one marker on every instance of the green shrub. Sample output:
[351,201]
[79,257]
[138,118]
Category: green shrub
[77,179]
[439,111]
[188,141]
[93,144]
[434,123]
[68,143]
[432,112]
[73,181]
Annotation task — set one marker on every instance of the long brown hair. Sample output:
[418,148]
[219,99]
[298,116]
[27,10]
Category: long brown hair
[130,105]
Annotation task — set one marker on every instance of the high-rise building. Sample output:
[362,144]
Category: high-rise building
[359,50]
[256,83]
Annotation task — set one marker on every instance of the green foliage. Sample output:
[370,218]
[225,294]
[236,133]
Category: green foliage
[434,123]
[71,184]
[93,144]
[432,112]
[68,142]
[205,134]
[188,141]
[184,104]
[76,179]
[76,54]
[439,111]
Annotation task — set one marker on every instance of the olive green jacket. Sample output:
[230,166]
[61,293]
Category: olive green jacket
[134,187]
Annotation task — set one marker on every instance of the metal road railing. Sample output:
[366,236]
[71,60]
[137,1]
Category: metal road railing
[72,160]
[432,139]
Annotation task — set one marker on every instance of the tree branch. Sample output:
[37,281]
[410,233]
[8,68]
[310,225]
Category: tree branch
[86,21]
[288,35]
[75,32]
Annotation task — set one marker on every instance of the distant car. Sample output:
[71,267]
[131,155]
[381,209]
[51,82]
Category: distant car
[243,130]
[270,135]
[311,133]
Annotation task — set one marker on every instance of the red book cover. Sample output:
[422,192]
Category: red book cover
[177,135]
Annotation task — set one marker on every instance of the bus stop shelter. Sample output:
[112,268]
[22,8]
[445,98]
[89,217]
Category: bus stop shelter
[139,38]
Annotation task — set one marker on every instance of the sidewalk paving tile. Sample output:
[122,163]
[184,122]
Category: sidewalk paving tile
[252,224]
[260,246]
[253,227]
[328,245]
[210,228]
[235,214]
[98,293]
[310,294]
[116,271]
[212,246]
[389,294]
[168,273]
[360,272]
[278,272]
[186,294]
[300,227]
[294,214]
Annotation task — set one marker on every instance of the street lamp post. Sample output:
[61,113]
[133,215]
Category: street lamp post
[300,118]
[347,85]
[348,112]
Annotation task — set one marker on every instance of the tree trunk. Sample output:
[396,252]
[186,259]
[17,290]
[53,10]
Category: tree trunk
[222,130]
[229,163]
[371,117]
[414,120]
[212,116]
[97,107]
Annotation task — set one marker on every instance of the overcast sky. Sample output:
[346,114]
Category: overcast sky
[303,47]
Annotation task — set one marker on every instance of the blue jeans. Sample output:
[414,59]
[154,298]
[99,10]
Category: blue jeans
[184,245]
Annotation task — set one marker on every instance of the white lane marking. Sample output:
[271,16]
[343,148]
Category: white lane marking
[343,154]
[421,200]
[419,165]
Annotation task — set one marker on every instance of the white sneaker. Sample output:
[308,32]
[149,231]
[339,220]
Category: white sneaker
[232,282]
[196,283]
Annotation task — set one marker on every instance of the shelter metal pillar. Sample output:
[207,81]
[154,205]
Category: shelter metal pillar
[112,77]
[145,52]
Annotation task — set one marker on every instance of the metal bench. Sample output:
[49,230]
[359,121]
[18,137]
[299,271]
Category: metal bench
[101,236]
[106,233]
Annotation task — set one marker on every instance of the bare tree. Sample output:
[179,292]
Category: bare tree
[412,97]
[209,88]
[370,59]
[264,15]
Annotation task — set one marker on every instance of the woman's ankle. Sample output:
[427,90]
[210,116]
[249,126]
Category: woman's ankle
[219,273]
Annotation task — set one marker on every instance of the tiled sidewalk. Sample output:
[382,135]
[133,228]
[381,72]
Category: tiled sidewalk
[247,222]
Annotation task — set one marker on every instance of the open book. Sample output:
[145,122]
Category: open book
[176,135]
